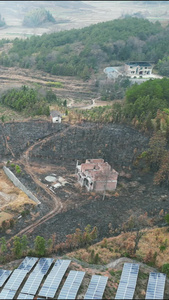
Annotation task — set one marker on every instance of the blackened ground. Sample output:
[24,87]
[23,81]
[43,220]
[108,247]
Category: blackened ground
[117,144]
[136,196]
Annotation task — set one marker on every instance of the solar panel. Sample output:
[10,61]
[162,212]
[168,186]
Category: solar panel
[28,263]
[128,281]
[156,285]
[25,296]
[43,265]
[71,285]
[4,274]
[32,284]
[54,278]
[15,279]
[7,294]
[34,280]
[96,287]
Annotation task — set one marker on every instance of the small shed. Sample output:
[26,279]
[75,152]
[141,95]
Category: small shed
[55,116]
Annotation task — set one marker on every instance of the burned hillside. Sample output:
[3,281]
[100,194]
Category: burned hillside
[114,143]
[48,149]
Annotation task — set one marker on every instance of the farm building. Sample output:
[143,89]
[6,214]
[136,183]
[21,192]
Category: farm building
[55,116]
[96,175]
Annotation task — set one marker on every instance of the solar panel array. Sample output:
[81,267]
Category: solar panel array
[34,280]
[71,285]
[28,263]
[25,296]
[54,278]
[15,280]
[126,288]
[43,265]
[96,287]
[156,285]
[7,294]
[4,274]
[128,281]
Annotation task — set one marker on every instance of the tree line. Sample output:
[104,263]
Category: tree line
[37,17]
[30,101]
[143,101]
[81,52]
[21,246]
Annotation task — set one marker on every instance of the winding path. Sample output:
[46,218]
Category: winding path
[56,205]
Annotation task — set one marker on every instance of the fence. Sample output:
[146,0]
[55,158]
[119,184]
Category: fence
[18,184]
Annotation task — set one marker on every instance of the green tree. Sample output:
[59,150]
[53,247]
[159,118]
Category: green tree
[3,249]
[24,242]
[3,118]
[163,66]
[40,245]
[165,269]
[4,225]
[3,245]
[17,247]
[167,218]
[85,74]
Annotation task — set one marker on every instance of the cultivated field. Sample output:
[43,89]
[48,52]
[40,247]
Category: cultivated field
[74,15]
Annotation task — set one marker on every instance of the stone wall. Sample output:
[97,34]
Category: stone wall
[17,183]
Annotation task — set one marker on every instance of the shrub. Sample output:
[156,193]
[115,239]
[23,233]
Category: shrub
[167,218]
[11,222]
[96,259]
[112,273]
[104,243]
[165,269]
[25,212]
[17,169]
[163,245]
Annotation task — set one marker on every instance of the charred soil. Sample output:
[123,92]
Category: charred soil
[43,149]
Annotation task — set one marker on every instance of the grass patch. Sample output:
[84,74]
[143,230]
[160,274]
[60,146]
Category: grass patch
[112,273]
[143,275]
[54,84]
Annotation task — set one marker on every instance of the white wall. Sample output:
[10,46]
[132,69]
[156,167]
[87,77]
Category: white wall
[56,119]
